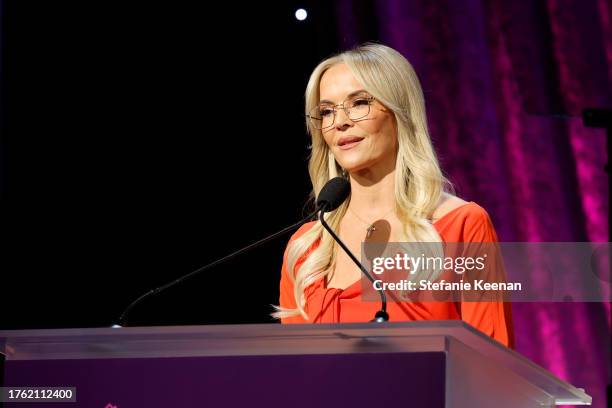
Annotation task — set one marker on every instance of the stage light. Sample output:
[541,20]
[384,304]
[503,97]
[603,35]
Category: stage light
[301,14]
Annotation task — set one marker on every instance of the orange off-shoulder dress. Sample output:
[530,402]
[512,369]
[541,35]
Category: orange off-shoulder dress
[466,223]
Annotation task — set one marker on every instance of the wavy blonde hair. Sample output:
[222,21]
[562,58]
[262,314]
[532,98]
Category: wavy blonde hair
[419,182]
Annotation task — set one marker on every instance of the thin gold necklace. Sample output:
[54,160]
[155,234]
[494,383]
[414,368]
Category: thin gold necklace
[371,228]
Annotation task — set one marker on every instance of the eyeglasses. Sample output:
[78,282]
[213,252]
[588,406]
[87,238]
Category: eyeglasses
[357,107]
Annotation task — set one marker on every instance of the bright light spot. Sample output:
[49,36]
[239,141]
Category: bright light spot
[301,14]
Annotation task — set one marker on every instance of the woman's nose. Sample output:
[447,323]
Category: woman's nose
[342,119]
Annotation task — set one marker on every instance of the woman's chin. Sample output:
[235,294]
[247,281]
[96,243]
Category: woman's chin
[356,168]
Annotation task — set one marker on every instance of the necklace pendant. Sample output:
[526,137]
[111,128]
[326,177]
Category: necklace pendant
[370,230]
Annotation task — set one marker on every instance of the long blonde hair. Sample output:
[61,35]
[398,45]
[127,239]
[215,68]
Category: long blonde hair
[419,182]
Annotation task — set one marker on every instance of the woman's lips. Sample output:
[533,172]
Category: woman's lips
[349,144]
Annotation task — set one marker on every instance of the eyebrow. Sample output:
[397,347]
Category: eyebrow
[357,92]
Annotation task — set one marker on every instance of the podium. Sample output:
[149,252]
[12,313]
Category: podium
[408,364]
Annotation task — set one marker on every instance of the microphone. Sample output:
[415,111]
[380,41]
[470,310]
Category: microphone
[122,319]
[333,193]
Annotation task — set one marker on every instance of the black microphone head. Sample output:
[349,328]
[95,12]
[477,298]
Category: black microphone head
[333,193]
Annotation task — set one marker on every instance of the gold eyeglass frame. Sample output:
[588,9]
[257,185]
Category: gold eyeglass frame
[317,125]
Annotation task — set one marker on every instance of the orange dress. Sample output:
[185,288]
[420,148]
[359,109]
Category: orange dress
[467,223]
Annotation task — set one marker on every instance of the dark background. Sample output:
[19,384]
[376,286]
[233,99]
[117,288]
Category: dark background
[141,141]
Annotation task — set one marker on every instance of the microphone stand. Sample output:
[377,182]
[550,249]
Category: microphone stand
[381,316]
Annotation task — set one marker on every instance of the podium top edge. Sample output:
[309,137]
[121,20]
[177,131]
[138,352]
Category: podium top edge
[272,327]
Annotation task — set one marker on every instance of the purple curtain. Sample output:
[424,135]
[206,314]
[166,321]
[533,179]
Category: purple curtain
[505,83]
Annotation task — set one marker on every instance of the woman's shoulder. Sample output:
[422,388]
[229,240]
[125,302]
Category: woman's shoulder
[447,204]
[459,220]
[451,205]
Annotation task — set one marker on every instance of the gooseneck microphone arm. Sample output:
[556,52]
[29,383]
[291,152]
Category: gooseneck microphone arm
[332,195]
[381,315]
[152,292]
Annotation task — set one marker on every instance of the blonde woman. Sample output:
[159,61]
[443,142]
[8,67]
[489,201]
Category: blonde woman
[366,117]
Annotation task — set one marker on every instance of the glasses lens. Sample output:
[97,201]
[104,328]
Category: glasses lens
[358,107]
[322,116]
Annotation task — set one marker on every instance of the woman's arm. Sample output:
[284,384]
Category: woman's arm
[492,316]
